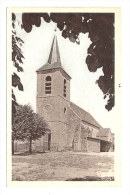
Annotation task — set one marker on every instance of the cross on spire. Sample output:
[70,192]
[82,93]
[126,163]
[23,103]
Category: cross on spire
[55,28]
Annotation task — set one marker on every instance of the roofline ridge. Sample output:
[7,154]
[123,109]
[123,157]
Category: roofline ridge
[86,112]
[79,107]
[91,124]
[50,53]
[76,114]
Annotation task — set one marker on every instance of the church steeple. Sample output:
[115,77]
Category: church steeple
[54,61]
[54,53]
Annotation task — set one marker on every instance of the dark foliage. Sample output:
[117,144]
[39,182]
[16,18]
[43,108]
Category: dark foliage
[30,19]
[17,57]
[92,178]
[100,29]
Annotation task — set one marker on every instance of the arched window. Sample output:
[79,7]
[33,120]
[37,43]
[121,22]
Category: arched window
[64,88]
[48,85]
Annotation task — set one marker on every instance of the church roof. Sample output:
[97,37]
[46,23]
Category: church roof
[103,132]
[54,53]
[85,116]
[54,61]
[48,66]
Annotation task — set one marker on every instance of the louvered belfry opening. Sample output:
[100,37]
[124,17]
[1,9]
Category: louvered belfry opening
[48,85]
[64,88]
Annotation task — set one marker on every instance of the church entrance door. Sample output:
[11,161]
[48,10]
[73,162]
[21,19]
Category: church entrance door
[47,142]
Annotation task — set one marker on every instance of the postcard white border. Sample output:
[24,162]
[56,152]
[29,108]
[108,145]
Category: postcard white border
[117,171]
[125,147]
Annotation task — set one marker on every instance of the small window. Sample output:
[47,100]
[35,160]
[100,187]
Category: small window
[48,85]
[64,90]
[64,110]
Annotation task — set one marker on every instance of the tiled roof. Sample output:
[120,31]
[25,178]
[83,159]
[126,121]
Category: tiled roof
[85,116]
[48,66]
[103,132]
[54,53]
[54,61]
[52,66]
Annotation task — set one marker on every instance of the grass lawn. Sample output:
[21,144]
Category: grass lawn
[63,166]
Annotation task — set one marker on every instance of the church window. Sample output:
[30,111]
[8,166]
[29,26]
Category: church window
[48,85]
[64,88]
[64,110]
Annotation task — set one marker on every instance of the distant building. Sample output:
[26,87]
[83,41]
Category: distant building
[71,128]
[113,143]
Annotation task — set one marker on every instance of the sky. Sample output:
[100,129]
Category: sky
[84,91]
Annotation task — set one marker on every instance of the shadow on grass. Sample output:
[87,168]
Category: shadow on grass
[27,153]
[92,178]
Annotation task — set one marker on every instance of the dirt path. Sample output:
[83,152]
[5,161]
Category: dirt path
[61,166]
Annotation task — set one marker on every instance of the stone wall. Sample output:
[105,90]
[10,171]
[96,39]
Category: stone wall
[93,130]
[53,108]
[58,136]
[48,107]
[73,130]
[93,145]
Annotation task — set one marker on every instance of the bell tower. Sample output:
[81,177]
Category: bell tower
[52,79]
[53,96]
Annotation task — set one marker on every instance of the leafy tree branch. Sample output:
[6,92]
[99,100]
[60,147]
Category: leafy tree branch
[17,59]
[27,125]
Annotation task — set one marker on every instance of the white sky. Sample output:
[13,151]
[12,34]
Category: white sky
[83,91]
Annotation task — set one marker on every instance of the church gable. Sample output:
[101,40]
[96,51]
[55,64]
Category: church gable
[93,131]
[105,134]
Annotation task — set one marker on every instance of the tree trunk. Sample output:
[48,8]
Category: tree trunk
[30,146]
[12,147]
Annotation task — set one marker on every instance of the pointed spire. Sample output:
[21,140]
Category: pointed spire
[54,61]
[54,53]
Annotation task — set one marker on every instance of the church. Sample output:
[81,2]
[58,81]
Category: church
[71,127]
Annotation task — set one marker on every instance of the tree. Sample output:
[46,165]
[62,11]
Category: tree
[17,57]
[27,125]
[100,29]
